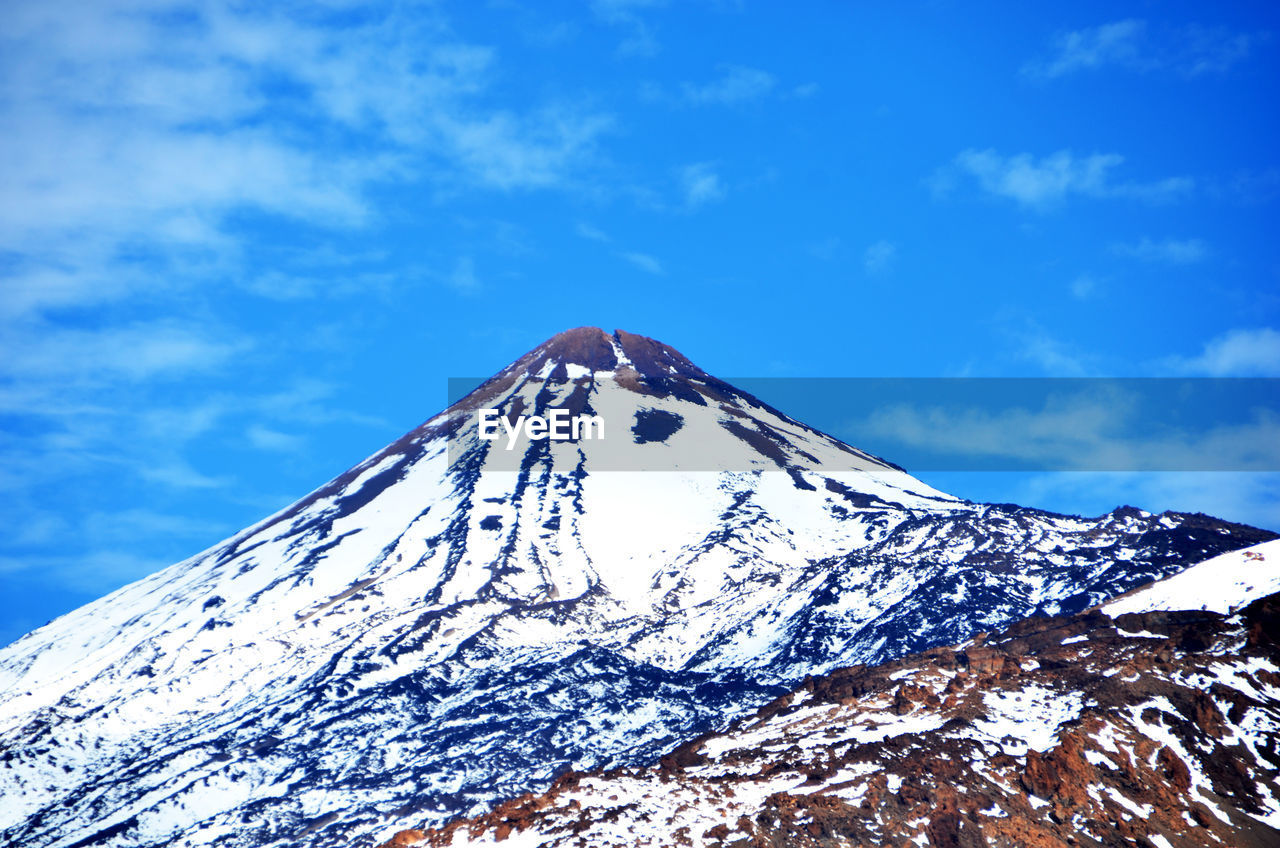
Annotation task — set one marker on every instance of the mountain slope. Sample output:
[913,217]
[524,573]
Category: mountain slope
[1156,728]
[452,622]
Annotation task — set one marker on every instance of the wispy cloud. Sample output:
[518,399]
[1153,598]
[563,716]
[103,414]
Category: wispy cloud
[146,147]
[268,439]
[1237,353]
[1250,185]
[1078,430]
[1093,47]
[46,353]
[1084,286]
[139,430]
[1135,45]
[735,84]
[92,573]
[1056,358]
[1042,183]
[591,233]
[879,257]
[282,286]
[463,276]
[641,39]
[700,184]
[644,262]
[181,475]
[1168,251]
[1100,426]
[512,152]
[185,117]
[308,402]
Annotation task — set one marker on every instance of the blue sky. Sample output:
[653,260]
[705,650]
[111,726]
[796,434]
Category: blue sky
[244,246]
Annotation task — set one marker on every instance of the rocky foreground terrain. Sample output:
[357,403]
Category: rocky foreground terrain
[1156,727]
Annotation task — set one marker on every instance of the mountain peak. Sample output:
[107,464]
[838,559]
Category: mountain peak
[590,347]
[596,350]
[636,363]
[421,610]
[653,359]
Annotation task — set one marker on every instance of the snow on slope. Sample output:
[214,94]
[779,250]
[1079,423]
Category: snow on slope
[450,622]
[1221,584]
[1154,729]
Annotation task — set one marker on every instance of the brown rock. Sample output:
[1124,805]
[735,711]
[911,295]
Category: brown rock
[1206,715]
[720,831]
[1174,770]
[909,696]
[1062,774]
[982,660]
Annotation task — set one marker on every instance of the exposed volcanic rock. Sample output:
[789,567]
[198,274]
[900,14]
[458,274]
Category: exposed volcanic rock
[1158,728]
[451,622]
[643,364]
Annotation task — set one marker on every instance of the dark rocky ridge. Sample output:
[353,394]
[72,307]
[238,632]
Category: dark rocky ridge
[1165,749]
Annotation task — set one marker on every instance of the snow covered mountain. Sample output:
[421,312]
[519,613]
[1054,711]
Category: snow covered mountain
[452,622]
[1148,722]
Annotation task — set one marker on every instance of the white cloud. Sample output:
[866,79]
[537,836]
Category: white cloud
[179,474]
[511,152]
[267,439]
[736,84]
[1213,50]
[622,11]
[644,262]
[1236,353]
[281,286]
[170,120]
[641,40]
[1097,428]
[701,184]
[308,402]
[1093,47]
[1041,183]
[591,233]
[1055,358]
[107,428]
[1084,286]
[135,352]
[125,526]
[1063,432]
[1135,45]
[86,280]
[93,573]
[1169,251]
[879,257]
[463,276]
[181,424]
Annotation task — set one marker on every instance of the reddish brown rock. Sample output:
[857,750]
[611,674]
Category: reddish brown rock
[1107,778]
